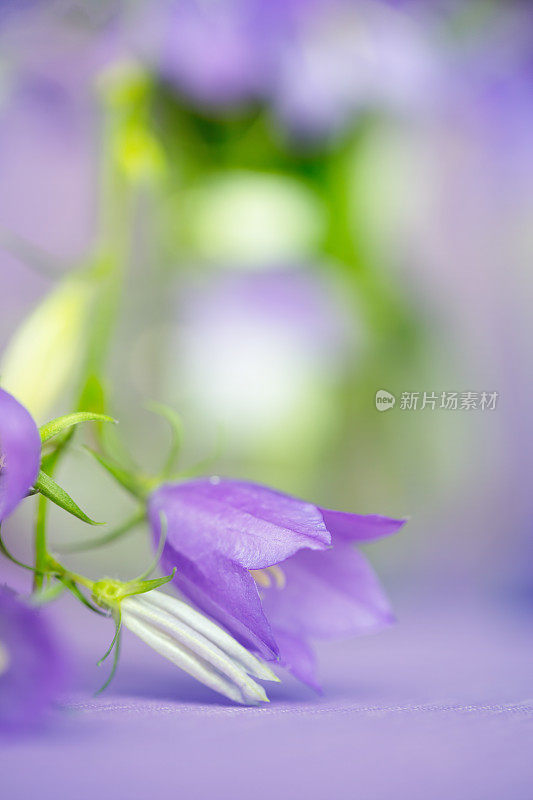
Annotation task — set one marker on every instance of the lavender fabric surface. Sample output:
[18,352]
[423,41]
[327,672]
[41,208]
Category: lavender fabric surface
[440,706]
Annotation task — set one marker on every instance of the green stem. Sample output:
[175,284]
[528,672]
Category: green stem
[109,270]
[41,552]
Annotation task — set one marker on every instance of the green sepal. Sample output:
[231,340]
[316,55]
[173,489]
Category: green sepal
[176,429]
[44,596]
[74,589]
[118,625]
[51,490]
[116,641]
[107,538]
[5,552]
[139,487]
[141,587]
[160,547]
[59,424]
[109,592]
[204,465]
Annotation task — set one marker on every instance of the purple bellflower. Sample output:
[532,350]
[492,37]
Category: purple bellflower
[20,453]
[274,570]
[223,54]
[32,668]
[315,62]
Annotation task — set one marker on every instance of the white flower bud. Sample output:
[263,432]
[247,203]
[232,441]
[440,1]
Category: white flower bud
[196,645]
[41,358]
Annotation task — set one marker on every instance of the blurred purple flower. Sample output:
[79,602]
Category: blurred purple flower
[20,453]
[222,54]
[347,58]
[227,539]
[315,61]
[32,668]
[10,8]
[50,124]
[249,348]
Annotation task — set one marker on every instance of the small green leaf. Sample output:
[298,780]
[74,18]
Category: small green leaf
[92,397]
[50,489]
[59,424]
[132,483]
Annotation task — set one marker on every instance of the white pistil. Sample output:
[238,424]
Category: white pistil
[197,645]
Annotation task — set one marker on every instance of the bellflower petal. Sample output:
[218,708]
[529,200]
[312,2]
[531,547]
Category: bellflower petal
[299,658]
[359,527]
[328,595]
[33,669]
[20,453]
[227,592]
[252,525]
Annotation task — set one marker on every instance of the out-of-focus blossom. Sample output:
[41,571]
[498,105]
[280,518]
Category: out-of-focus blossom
[234,59]
[262,351]
[349,57]
[196,645]
[20,453]
[33,670]
[48,167]
[221,54]
[276,571]
[49,131]
[17,8]
[316,62]
[51,128]
[250,219]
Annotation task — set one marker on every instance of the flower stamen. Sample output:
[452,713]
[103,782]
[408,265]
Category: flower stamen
[264,577]
[261,577]
[279,576]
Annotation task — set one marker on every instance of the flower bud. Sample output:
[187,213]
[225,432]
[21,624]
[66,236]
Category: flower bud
[42,357]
